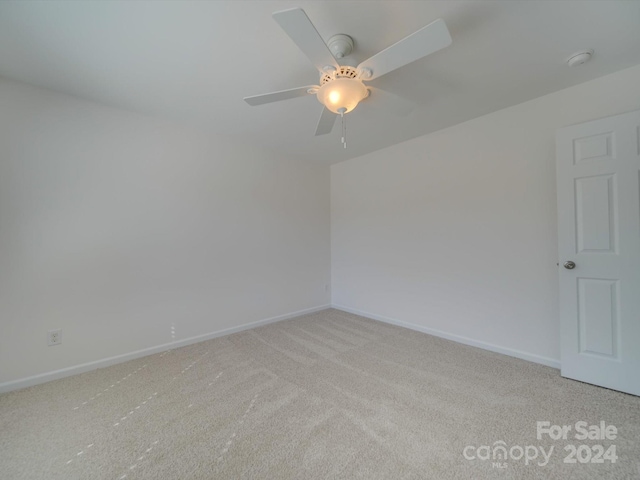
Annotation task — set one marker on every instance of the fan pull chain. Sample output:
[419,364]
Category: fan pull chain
[344,130]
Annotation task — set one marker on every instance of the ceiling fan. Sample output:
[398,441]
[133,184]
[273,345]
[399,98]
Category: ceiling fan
[342,86]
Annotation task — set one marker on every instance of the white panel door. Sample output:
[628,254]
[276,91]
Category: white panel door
[598,179]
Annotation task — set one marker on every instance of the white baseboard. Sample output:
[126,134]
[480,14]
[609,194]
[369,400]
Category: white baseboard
[550,362]
[105,362]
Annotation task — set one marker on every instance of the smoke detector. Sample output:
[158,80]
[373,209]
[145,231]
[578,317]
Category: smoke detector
[579,58]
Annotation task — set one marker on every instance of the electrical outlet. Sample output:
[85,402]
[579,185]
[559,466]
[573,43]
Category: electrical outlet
[54,337]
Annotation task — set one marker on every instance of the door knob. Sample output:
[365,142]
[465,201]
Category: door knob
[569,265]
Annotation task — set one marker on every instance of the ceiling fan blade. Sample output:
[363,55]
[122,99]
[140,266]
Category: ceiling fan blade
[389,102]
[425,41]
[297,25]
[278,96]
[325,122]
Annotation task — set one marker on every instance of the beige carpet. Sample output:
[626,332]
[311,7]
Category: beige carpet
[327,395]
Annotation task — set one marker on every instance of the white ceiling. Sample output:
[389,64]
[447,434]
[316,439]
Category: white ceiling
[195,61]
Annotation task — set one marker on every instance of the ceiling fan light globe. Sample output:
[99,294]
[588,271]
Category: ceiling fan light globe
[342,93]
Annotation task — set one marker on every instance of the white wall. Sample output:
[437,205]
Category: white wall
[114,226]
[455,232]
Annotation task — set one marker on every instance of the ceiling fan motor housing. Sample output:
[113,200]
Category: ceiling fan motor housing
[340,72]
